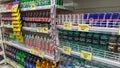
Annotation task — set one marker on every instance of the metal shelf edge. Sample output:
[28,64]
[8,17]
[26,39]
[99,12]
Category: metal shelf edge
[103,60]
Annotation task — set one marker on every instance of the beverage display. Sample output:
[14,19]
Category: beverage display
[109,19]
[41,42]
[27,60]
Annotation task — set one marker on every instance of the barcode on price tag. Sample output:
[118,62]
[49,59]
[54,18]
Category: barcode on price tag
[83,27]
[68,25]
[66,50]
[86,55]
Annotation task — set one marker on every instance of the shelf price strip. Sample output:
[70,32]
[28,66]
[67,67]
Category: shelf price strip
[66,50]
[83,27]
[86,55]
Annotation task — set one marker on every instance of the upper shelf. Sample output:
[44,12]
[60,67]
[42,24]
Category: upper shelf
[43,8]
[38,8]
[95,29]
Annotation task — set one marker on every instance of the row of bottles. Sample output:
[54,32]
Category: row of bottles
[40,42]
[95,40]
[43,13]
[27,60]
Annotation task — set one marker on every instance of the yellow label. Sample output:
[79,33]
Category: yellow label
[2,24]
[15,8]
[10,42]
[86,55]
[14,26]
[40,29]
[32,5]
[16,18]
[15,14]
[32,51]
[83,27]
[119,30]
[35,51]
[66,50]
[68,25]
[45,30]
[41,54]
[16,22]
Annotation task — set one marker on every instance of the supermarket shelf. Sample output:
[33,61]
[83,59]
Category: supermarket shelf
[1,53]
[95,29]
[43,8]
[22,47]
[2,61]
[99,59]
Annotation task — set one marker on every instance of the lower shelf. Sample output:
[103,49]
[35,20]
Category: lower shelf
[99,59]
[24,48]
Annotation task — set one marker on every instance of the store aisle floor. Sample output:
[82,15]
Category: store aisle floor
[5,66]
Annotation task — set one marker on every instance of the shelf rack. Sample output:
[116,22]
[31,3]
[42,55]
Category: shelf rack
[24,48]
[2,53]
[53,11]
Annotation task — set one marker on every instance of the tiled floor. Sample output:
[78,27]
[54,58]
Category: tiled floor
[5,66]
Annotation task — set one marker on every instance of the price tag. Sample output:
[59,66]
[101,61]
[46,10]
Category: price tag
[119,30]
[83,27]
[39,29]
[45,30]
[68,25]
[2,24]
[36,51]
[86,55]
[32,6]
[15,8]
[66,50]
[10,42]
[41,54]
[32,51]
